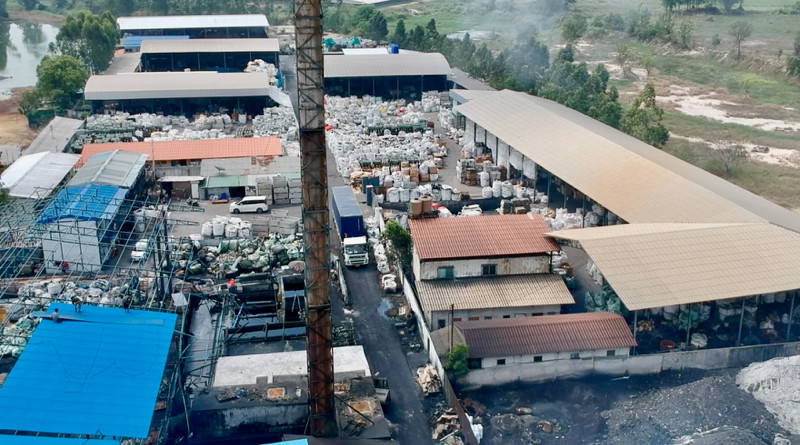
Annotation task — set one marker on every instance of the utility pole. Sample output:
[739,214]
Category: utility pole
[311,119]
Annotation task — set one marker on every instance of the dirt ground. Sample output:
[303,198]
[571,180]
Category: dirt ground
[14,131]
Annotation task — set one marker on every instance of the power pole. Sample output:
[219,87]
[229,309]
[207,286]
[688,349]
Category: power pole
[311,119]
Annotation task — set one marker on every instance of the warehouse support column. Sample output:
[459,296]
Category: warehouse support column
[635,322]
[689,327]
[791,316]
[741,322]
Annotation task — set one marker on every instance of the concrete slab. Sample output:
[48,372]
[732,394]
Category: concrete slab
[248,369]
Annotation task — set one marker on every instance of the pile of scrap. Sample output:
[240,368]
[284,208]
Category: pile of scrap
[446,428]
[428,379]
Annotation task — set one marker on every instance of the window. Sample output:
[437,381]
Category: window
[442,323]
[474,318]
[488,317]
[489,269]
[611,353]
[538,314]
[575,356]
[474,363]
[501,362]
[537,359]
[445,273]
[506,316]
[455,319]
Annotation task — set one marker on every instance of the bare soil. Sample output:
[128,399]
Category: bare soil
[15,134]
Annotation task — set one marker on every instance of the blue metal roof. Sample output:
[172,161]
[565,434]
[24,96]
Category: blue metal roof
[294,442]
[135,42]
[96,373]
[345,200]
[88,202]
[43,440]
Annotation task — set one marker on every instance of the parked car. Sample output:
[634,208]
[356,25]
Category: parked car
[257,204]
[140,251]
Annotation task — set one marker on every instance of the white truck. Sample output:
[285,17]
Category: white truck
[350,225]
[355,251]
[140,251]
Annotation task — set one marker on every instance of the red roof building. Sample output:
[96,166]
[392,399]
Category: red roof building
[187,150]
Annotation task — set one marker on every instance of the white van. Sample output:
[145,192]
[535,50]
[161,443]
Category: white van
[257,204]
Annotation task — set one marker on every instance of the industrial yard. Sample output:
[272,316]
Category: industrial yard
[361,245]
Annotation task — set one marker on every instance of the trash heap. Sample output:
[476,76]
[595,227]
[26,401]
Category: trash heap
[561,219]
[428,379]
[775,383]
[16,335]
[378,247]
[355,151]
[260,66]
[276,121]
[234,256]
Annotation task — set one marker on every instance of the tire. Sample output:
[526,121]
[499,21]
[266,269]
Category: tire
[236,211]
[259,210]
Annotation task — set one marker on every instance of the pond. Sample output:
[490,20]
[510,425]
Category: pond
[22,47]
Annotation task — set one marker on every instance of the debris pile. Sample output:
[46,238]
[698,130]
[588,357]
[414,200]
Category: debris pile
[776,383]
[276,121]
[260,66]
[16,335]
[234,256]
[428,379]
[446,428]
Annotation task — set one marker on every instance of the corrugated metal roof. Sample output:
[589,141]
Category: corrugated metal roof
[213,182]
[55,136]
[495,292]
[192,21]
[245,166]
[480,237]
[36,175]
[44,440]
[176,85]
[89,202]
[655,265]
[192,149]
[210,46]
[96,376]
[464,80]
[119,168]
[133,42]
[604,163]
[462,96]
[549,333]
[384,65]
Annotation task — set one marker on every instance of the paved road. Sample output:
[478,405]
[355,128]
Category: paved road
[382,346]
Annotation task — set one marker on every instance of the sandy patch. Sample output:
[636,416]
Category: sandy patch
[14,131]
[773,155]
[710,106]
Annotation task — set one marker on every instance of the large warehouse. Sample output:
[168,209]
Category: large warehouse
[392,76]
[228,55]
[177,93]
[695,246]
[241,26]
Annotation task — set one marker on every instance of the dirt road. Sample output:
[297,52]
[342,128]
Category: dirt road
[14,131]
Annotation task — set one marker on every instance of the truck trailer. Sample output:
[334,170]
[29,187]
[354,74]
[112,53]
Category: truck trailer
[350,226]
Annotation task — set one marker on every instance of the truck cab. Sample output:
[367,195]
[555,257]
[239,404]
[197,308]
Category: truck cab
[140,251]
[355,250]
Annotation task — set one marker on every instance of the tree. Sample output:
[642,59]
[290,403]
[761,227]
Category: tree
[643,120]
[377,29]
[685,34]
[89,38]
[29,5]
[3,10]
[399,36]
[30,101]
[4,196]
[793,65]
[60,78]
[573,27]
[740,31]
[399,243]
[457,360]
[724,156]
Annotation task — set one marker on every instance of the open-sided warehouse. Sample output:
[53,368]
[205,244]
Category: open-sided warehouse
[196,26]
[391,76]
[117,168]
[206,54]
[699,255]
[178,93]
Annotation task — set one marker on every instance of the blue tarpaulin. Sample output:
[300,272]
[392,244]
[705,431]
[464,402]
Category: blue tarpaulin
[135,42]
[43,440]
[96,373]
[88,202]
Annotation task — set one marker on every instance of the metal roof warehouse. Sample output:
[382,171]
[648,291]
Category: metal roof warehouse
[96,373]
[176,85]
[118,168]
[180,22]
[192,149]
[210,46]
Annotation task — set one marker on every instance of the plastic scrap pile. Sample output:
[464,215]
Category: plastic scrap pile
[203,127]
[276,121]
[471,210]
[259,66]
[16,335]
[122,121]
[378,248]
[233,256]
[603,300]
[594,272]
[351,149]
[228,227]
[776,384]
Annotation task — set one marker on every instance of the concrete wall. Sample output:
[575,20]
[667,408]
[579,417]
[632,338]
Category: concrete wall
[492,313]
[633,365]
[429,270]
[267,417]
[424,332]
[491,362]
